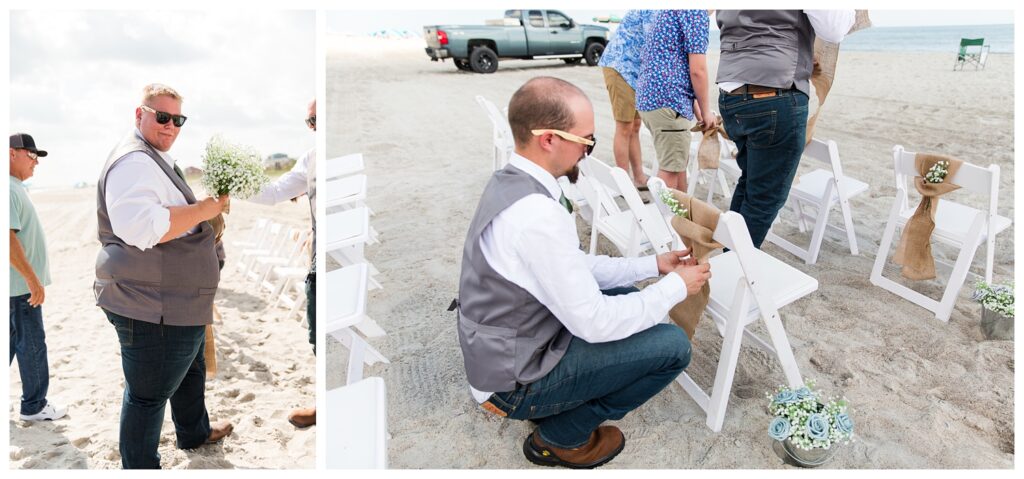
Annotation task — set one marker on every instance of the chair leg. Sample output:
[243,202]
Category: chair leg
[960,269]
[728,359]
[990,255]
[884,245]
[593,233]
[844,206]
[819,232]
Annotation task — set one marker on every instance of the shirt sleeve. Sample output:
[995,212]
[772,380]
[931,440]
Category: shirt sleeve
[15,211]
[616,272]
[549,251]
[694,30]
[288,186]
[137,215]
[831,25]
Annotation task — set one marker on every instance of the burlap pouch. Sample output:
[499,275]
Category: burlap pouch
[696,231]
[710,149]
[914,252]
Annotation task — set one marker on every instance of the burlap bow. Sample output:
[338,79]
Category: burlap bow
[826,57]
[219,225]
[710,149]
[696,231]
[210,347]
[914,252]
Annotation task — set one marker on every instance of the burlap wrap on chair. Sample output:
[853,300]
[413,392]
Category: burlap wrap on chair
[826,58]
[696,231]
[710,149]
[210,347]
[914,252]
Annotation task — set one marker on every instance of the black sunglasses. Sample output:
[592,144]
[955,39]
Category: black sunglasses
[162,117]
[311,121]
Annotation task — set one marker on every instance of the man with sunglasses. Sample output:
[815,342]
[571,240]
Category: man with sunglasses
[30,274]
[156,277]
[301,180]
[549,333]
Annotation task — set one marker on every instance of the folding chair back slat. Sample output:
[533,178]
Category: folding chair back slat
[504,144]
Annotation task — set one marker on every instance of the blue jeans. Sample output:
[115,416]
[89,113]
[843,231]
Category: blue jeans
[160,363]
[770,136]
[28,343]
[593,383]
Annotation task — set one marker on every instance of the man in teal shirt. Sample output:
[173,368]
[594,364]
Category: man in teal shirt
[30,273]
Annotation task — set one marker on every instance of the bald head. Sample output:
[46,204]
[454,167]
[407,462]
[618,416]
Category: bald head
[542,103]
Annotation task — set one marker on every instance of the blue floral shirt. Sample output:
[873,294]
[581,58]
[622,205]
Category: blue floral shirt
[664,80]
[623,51]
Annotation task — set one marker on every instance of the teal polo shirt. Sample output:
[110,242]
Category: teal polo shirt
[28,229]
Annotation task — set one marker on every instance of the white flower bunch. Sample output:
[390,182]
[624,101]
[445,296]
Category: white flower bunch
[673,204]
[232,169]
[998,298]
[801,416]
[937,172]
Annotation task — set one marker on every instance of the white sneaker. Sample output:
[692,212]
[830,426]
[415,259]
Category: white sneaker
[49,413]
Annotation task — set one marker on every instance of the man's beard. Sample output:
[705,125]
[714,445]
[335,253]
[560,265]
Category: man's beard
[574,174]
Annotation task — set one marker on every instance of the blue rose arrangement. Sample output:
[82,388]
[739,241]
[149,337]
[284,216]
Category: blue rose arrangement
[801,416]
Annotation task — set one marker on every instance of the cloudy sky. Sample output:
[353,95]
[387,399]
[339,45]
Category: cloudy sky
[76,78]
[362,22]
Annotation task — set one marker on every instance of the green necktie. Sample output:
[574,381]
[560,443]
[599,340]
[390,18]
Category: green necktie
[565,202]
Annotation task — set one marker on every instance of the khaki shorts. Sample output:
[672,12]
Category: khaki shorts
[622,95]
[671,138]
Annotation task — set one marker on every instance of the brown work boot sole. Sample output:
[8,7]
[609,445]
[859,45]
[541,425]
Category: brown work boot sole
[538,456]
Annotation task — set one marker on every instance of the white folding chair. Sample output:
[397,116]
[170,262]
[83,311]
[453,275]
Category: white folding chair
[630,230]
[746,285]
[502,133]
[346,192]
[344,166]
[357,427]
[348,232]
[346,308]
[256,234]
[815,194]
[727,168]
[269,244]
[956,224]
[288,253]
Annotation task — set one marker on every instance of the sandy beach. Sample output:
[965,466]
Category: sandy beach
[924,394]
[266,365]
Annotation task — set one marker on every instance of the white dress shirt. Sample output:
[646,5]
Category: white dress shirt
[291,184]
[534,244]
[138,193]
[829,25]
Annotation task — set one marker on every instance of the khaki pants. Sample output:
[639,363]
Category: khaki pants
[671,138]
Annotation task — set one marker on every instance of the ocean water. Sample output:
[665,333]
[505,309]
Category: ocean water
[919,39]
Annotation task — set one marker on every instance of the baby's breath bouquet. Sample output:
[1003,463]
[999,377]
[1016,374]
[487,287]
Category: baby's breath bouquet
[232,169]
[998,298]
[673,204]
[937,172]
[807,421]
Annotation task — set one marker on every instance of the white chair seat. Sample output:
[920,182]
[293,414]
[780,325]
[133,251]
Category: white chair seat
[346,298]
[811,187]
[357,425]
[347,227]
[787,284]
[952,221]
[344,165]
[346,190]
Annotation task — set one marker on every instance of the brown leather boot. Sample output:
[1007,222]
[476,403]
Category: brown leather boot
[303,417]
[605,443]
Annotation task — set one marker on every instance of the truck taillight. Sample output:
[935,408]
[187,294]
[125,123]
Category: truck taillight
[442,37]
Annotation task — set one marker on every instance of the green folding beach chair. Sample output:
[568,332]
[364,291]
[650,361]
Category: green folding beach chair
[973,51]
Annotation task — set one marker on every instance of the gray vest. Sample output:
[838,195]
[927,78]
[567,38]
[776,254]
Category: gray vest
[773,48]
[507,336]
[173,281]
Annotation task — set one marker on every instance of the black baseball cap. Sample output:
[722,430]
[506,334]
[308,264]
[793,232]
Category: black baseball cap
[25,142]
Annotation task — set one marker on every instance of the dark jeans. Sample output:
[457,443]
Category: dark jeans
[28,343]
[593,383]
[311,308]
[160,363]
[770,136]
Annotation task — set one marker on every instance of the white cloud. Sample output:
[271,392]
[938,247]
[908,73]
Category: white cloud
[76,78]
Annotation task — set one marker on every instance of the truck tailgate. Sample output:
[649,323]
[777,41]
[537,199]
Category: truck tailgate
[430,35]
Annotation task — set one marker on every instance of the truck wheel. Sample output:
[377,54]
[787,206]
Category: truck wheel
[483,60]
[572,61]
[462,65]
[593,53]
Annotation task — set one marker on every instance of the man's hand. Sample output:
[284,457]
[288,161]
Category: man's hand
[667,262]
[694,275]
[38,293]
[710,122]
[212,207]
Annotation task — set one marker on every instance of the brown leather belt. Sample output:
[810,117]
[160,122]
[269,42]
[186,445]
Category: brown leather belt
[756,91]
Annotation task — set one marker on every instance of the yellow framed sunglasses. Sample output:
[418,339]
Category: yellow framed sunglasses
[590,142]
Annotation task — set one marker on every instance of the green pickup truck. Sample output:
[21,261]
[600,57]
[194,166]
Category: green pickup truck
[524,34]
